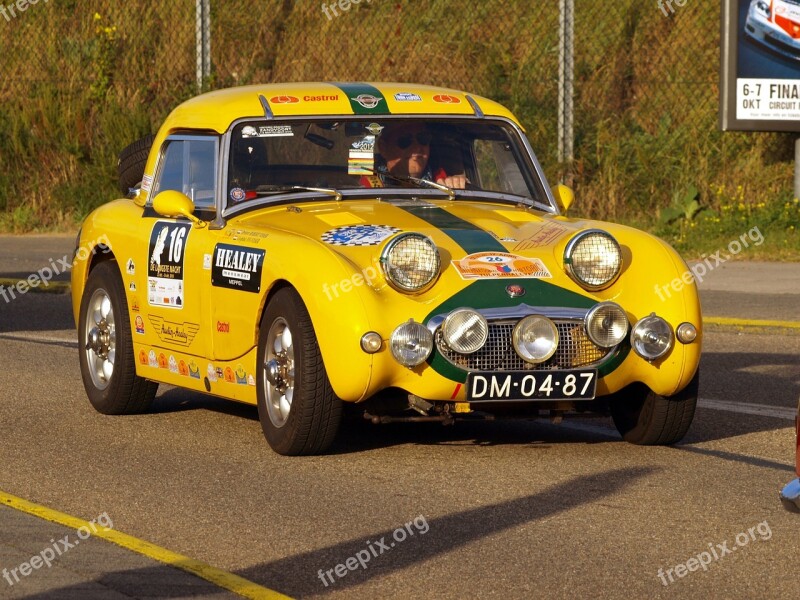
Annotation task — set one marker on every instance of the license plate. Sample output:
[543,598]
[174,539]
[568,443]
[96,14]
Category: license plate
[535,385]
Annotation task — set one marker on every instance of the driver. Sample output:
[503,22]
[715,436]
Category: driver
[405,150]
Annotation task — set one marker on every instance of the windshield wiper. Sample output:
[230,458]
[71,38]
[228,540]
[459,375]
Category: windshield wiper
[416,180]
[277,189]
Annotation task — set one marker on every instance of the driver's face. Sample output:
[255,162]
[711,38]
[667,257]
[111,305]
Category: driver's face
[406,149]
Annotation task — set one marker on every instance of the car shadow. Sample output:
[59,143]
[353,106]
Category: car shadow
[382,552]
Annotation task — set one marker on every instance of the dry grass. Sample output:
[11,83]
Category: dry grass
[74,91]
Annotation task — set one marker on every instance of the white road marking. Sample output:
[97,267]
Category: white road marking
[745,408]
[36,338]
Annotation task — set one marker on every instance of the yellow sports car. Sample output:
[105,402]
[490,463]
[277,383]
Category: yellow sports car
[390,248]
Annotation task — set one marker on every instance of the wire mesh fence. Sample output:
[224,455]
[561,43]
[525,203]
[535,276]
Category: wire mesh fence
[644,79]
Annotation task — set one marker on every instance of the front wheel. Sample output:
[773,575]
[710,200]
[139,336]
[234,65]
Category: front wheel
[108,367]
[298,410]
[643,417]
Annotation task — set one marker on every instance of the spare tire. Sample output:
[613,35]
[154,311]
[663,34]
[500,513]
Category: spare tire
[132,161]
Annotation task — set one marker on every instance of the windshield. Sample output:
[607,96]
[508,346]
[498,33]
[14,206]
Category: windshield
[269,158]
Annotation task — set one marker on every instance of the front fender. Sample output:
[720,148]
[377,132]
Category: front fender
[339,319]
[655,279]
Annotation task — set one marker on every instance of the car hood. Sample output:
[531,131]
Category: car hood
[357,229]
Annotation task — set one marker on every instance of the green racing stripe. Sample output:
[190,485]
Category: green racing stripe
[364,99]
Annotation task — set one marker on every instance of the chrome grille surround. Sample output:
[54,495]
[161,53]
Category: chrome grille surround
[575,348]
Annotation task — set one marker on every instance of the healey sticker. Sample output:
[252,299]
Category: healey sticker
[407,97]
[359,235]
[179,334]
[237,267]
[499,265]
[165,267]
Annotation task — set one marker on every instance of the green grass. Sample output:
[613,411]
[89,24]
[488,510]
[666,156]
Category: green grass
[80,80]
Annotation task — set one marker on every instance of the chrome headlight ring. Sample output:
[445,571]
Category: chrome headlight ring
[593,259]
[411,262]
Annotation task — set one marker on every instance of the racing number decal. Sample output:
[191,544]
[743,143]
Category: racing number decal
[165,265]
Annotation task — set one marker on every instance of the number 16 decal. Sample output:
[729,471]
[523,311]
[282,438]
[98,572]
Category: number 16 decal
[165,264]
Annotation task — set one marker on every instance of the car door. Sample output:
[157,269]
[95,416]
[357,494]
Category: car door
[171,266]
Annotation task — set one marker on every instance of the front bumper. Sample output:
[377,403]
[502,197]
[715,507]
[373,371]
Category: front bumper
[790,496]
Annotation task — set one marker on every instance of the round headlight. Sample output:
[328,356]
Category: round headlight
[535,339]
[593,259]
[651,337]
[606,324]
[465,330]
[411,262]
[411,344]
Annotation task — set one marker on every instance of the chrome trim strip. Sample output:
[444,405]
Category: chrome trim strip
[475,107]
[508,313]
[267,110]
[570,248]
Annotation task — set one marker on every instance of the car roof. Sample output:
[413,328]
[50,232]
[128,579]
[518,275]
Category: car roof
[215,111]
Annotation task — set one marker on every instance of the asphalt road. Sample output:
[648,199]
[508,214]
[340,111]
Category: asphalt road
[506,509]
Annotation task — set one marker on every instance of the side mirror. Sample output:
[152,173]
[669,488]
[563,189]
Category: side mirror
[172,204]
[564,197]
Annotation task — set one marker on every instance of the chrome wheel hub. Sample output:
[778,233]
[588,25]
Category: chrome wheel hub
[278,372]
[101,339]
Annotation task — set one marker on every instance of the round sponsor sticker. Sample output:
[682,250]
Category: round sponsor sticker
[359,235]
[446,99]
[237,194]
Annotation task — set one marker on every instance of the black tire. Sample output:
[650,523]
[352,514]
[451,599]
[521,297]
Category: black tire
[122,392]
[643,417]
[131,164]
[308,423]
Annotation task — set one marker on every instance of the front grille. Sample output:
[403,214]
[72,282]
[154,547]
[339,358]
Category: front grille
[575,349]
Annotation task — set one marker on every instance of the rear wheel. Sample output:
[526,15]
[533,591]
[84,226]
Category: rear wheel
[645,418]
[298,410]
[132,162]
[107,363]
